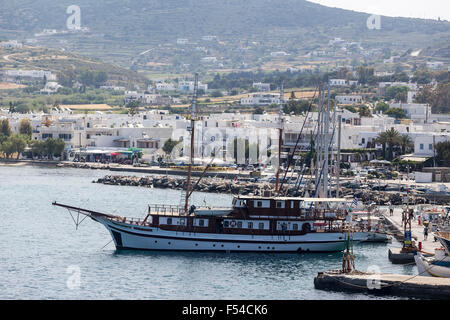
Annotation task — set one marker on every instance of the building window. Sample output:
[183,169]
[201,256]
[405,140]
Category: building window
[250,225]
[261,225]
[169,220]
[430,146]
[421,146]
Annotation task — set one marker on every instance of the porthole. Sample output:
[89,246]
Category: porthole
[196,244]
[156,241]
[239,246]
[168,243]
[222,245]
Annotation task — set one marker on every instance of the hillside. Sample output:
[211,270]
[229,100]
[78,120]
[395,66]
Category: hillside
[140,33]
[67,66]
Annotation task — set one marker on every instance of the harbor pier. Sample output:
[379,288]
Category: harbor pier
[384,284]
[395,221]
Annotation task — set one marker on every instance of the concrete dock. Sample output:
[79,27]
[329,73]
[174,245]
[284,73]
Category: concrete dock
[384,284]
[395,221]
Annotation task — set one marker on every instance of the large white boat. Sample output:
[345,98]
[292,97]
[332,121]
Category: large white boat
[265,223]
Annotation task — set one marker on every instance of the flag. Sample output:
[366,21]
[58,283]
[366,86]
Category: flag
[355,201]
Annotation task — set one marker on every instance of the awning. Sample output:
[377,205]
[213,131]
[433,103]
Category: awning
[412,158]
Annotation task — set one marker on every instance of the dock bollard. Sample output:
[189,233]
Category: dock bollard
[419,220]
[420,245]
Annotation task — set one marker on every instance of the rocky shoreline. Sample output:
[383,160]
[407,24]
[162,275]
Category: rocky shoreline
[217,185]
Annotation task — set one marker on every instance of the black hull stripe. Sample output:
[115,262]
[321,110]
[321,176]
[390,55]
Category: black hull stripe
[234,251]
[221,240]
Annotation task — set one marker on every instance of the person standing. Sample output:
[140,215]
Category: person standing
[391,209]
[425,233]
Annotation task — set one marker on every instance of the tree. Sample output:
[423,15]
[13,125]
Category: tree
[258,110]
[216,94]
[49,147]
[364,111]
[5,129]
[169,145]
[405,143]
[58,147]
[37,148]
[399,93]
[396,113]
[25,127]
[388,138]
[133,106]
[15,143]
[18,143]
[443,153]
[382,106]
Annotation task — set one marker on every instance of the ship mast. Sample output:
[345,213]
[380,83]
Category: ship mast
[191,157]
[280,138]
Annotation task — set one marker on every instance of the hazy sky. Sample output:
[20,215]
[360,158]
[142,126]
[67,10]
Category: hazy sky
[429,9]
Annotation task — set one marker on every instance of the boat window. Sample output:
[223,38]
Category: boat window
[295,226]
[259,204]
[280,204]
[292,204]
[239,224]
[250,225]
[169,220]
[201,222]
[226,224]
[261,225]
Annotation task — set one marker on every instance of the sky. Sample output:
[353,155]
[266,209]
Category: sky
[425,9]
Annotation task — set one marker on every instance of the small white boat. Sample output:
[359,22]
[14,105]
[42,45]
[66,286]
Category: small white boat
[437,266]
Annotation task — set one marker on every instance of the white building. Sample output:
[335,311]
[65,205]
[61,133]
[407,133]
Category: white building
[12,44]
[351,99]
[435,65]
[50,87]
[260,99]
[262,87]
[338,82]
[188,86]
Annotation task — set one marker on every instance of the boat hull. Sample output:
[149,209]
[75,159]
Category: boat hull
[134,237]
[426,268]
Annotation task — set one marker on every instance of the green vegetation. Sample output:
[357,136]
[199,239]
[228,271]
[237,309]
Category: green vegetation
[169,145]
[438,98]
[398,93]
[443,153]
[396,113]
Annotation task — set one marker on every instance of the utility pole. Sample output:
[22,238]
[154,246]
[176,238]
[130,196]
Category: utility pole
[327,144]
[280,138]
[338,172]
[191,160]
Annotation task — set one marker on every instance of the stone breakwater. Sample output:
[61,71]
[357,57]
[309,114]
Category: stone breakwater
[218,185]
[213,185]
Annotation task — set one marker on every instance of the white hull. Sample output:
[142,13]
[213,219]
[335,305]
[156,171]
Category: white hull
[371,237]
[427,269]
[128,236]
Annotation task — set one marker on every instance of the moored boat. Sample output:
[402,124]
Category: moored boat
[437,266]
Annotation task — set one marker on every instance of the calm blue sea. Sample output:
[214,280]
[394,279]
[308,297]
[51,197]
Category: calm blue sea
[42,256]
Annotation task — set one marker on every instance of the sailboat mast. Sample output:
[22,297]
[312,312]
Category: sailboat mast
[280,137]
[191,157]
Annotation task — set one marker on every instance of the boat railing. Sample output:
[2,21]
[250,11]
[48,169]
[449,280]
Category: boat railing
[165,209]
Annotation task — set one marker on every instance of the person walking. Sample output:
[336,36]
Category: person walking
[425,233]
[391,209]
